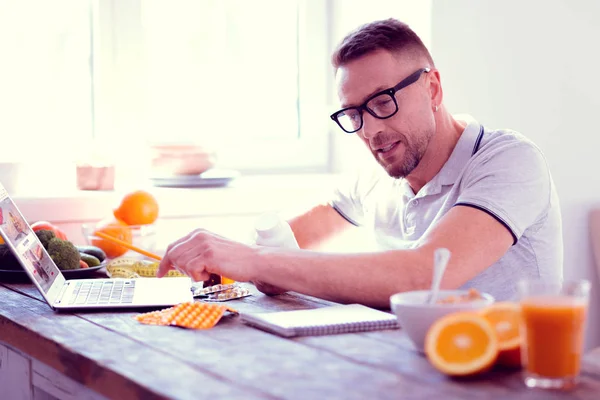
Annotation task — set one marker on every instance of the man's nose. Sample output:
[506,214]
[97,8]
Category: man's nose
[371,125]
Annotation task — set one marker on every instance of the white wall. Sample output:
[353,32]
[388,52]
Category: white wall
[532,66]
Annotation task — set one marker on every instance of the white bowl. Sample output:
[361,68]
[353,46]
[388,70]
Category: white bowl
[415,317]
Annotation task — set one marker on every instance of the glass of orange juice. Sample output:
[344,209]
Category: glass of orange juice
[552,325]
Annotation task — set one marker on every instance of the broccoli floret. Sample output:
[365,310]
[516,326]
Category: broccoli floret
[45,236]
[64,253]
[8,260]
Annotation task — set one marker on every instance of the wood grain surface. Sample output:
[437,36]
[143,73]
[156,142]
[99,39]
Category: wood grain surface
[117,357]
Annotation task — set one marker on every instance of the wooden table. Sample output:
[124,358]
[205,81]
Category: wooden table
[110,355]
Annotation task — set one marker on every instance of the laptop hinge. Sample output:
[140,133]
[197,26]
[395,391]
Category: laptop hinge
[62,292]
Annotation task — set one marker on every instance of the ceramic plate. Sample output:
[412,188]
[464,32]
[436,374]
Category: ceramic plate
[210,178]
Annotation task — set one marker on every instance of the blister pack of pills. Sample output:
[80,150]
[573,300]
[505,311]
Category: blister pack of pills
[220,292]
[187,315]
[199,291]
[229,294]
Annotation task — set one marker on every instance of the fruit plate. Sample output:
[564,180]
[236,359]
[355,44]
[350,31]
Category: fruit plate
[20,275]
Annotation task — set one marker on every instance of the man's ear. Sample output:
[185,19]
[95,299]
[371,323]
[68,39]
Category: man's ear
[435,87]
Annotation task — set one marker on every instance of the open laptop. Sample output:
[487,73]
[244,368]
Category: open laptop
[80,294]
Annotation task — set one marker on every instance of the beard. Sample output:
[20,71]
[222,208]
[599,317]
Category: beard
[413,153]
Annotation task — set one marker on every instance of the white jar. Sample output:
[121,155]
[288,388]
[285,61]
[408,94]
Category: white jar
[273,231]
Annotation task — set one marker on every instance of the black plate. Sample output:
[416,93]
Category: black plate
[69,273]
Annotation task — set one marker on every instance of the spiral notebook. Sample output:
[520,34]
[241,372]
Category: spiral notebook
[322,321]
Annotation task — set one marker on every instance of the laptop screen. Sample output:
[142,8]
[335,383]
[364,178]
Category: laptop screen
[26,246]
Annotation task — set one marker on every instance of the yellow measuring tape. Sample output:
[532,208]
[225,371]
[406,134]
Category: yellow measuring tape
[129,268]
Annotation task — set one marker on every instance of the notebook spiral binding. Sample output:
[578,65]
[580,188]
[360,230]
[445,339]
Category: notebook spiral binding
[349,327]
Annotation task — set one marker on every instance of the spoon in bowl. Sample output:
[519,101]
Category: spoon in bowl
[440,261]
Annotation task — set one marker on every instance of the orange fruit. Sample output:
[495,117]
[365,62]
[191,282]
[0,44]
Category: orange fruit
[505,318]
[137,208]
[461,344]
[117,229]
[226,281]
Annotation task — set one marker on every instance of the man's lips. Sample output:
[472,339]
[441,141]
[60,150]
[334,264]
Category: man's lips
[387,148]
[388,152]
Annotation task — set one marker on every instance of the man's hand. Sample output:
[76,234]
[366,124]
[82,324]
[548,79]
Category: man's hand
[200,253]
[268,289]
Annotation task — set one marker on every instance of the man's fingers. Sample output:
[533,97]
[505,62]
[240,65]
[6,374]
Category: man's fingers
[199,276]
[183,254]
[166,264]
[164,267]
[181,251]
[194,266]
[186,256]
[178,241]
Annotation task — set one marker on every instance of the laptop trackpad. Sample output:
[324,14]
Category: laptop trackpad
[162,291]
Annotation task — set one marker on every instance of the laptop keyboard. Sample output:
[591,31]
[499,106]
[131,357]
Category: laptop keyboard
[103,292]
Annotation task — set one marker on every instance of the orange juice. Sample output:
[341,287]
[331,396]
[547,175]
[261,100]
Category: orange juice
[553,331]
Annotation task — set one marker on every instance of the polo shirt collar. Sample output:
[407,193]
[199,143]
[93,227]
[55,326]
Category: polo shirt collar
[461,154]
[458,159]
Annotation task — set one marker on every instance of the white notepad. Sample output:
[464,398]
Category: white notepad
[322,321]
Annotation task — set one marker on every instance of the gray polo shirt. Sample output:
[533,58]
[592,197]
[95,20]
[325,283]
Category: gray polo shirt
[507,177]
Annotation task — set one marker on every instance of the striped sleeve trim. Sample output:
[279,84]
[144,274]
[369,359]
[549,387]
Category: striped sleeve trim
[496,217]
[343,215]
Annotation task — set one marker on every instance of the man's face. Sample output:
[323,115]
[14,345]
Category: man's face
[398,143]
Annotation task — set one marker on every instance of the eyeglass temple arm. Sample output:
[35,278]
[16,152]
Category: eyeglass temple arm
[411,79]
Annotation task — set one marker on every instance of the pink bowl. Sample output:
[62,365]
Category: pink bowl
[181,159]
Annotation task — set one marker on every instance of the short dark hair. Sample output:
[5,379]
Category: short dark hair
[389,34]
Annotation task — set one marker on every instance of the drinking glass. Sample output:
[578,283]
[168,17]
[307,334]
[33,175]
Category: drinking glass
[552,325]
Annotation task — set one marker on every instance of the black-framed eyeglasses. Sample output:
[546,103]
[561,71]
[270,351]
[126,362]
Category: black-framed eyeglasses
[381,105]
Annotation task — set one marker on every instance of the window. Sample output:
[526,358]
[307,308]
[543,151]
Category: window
[248,78]
[220,64]
[45,81]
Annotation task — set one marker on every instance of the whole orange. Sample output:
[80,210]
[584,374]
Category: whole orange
[137,208]
[117,229]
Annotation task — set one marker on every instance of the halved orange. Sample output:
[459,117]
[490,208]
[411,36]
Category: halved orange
[461,344]
[505,318]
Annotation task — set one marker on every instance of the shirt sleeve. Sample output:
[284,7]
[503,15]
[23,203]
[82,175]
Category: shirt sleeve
[348,198]
[512,183]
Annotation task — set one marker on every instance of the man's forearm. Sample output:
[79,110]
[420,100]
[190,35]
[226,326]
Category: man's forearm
[368,278]
[317,225]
